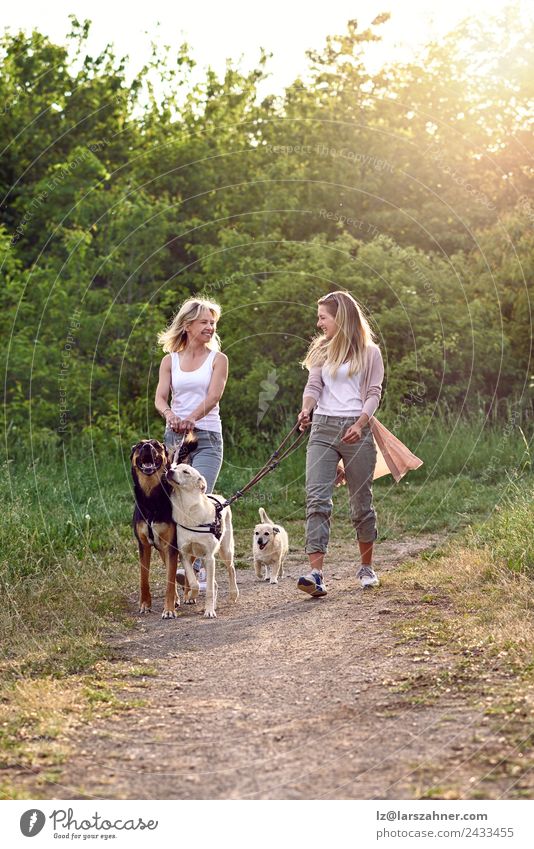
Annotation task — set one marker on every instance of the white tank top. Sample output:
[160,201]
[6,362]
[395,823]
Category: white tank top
[189,389]
[341,394]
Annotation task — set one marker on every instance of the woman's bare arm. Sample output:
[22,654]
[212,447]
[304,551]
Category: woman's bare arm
[163,391]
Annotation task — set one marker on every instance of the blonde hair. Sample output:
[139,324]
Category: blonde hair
[174,338]
[350,341]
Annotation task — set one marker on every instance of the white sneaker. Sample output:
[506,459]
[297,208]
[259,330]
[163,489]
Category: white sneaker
[180,580]
[367,577]
[313,584]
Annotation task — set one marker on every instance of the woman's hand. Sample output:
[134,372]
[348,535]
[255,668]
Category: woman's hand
[340,480]
[187,424]
[173,420]
[352,434]
[304,419]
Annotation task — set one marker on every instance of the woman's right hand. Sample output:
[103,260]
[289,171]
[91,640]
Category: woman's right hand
[340,480]
[173,420]
[304,419]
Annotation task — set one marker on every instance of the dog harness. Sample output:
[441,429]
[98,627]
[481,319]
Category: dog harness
[214,527]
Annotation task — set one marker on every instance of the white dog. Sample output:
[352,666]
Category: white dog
[269,547]
[192,508]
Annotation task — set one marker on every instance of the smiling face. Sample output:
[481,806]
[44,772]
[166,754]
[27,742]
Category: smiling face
[202,328]
[326,322]
[265,535]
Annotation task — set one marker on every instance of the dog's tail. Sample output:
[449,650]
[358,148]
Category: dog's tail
[188,447]
[264,517]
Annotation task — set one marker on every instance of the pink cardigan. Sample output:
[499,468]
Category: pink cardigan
[392,455]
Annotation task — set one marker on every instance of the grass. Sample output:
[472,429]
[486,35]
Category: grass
[38,713]
[509,534]
[473,604]
[68,563]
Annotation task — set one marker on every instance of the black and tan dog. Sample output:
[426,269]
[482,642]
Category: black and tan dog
[153,524]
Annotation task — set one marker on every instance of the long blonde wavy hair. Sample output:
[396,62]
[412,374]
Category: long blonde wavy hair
[349,343]
[174,338]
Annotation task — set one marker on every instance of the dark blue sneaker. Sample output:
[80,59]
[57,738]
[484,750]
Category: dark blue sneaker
[313,584]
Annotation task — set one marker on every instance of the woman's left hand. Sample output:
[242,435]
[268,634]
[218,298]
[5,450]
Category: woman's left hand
[187,424]
[353,434]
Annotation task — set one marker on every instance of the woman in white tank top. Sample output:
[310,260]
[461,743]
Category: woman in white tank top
[194,372]
[340,430]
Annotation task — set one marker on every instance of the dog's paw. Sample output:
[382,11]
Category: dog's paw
[145,607]
[210,614]
[190,601]
[234,594]
[168,614]
[273,581]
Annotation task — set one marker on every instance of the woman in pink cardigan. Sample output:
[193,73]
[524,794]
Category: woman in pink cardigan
[346,440]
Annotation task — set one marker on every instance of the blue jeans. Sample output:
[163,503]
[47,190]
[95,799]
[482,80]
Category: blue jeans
[324,451]
[208,457]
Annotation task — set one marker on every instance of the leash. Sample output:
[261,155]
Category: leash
[274,460]
[176,450]
[215,527]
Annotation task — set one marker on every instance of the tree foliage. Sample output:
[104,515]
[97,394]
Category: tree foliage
[408,187]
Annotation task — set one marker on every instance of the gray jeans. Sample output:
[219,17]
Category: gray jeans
[325,449]
[208,457]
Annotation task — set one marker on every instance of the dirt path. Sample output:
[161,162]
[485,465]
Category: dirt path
[281,697]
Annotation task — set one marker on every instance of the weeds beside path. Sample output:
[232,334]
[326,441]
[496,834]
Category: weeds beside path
[358,695]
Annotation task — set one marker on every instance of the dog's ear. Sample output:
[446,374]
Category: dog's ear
[202,484]
[133,449]
[276,530]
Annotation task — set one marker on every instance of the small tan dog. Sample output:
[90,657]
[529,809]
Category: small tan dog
[269,547]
